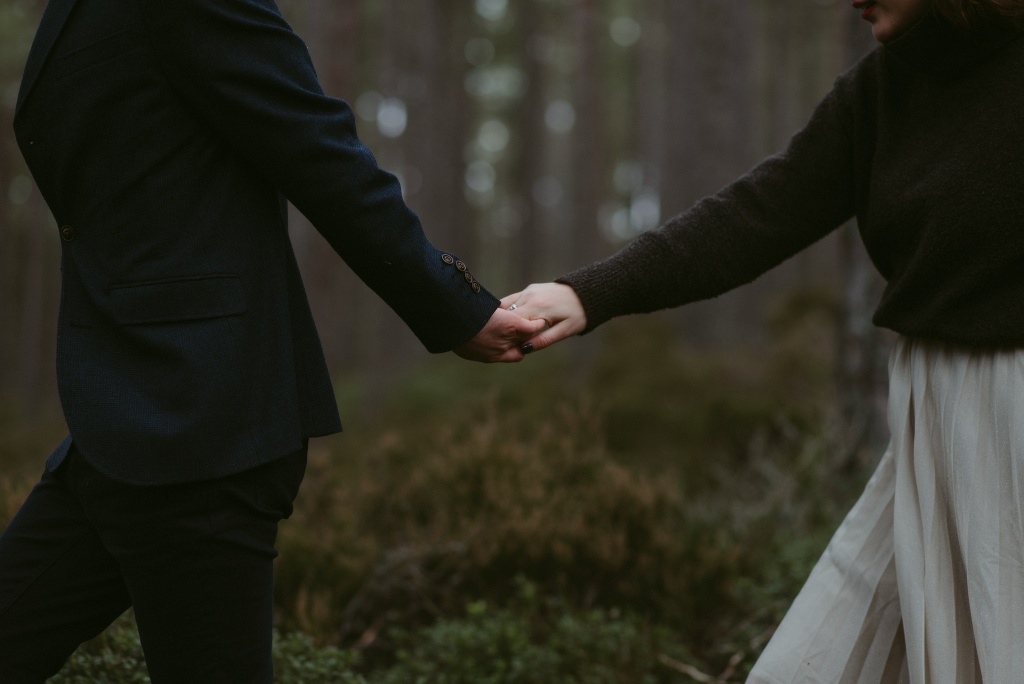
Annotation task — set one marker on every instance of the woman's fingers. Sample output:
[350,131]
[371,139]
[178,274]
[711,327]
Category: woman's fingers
[555,304]
[556,333]
[511,299]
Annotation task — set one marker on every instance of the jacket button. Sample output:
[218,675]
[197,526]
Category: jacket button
[68,233]
[461,266]
[475,287]
[448,259]
[468,276]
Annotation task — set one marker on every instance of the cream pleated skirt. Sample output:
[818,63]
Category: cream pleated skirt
[924,580]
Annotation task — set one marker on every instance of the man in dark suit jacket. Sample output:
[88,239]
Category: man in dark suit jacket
[165,136]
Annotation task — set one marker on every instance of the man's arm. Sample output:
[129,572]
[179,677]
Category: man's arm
[241,69]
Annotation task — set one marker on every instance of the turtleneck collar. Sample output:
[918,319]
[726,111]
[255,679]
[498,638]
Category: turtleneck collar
[932,44]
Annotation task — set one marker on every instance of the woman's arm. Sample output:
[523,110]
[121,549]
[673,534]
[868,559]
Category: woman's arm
[786,203]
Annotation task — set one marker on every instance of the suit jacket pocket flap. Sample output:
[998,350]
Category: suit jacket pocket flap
[188,299]
[90,55]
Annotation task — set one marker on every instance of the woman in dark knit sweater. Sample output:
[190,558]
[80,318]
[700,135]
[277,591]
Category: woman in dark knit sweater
[922,141]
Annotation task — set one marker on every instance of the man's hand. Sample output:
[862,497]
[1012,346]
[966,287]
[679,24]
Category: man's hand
[556,304]
[500,340]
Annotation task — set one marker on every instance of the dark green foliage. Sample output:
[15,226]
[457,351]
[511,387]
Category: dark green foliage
[530,644]
[297,660]
[116,657]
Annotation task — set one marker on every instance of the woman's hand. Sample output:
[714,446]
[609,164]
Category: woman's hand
[557,304]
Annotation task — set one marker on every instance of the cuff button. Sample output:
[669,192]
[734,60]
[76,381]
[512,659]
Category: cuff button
[448,259]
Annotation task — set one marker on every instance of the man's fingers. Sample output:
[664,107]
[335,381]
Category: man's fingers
[530,326]
[512,355]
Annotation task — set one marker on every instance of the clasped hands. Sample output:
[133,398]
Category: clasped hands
[527,321]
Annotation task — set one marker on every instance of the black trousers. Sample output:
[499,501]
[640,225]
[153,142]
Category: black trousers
[195,560]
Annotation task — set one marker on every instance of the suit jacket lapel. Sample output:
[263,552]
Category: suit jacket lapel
[54,16]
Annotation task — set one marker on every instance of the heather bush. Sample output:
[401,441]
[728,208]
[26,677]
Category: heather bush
[327,550]
[666,484]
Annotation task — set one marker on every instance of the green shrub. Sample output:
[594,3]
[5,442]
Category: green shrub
[298,660]
[531,642]
[669,405]
[116,657]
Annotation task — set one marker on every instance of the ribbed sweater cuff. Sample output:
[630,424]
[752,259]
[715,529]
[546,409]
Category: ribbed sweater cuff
[602,290]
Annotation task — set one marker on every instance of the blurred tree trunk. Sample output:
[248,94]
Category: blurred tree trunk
[651,114]
[590,161]
[385,346]
[860,355]
[10,283]
[708,136]
[29,272]
[527,160]
[33,322]
[438,124]
[861,348]
[332,32]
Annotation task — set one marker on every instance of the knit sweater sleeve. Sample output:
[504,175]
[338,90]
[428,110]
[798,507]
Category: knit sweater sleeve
[783,205]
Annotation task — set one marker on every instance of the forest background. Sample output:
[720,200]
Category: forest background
[639,504]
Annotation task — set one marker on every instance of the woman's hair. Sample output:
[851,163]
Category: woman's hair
[970,14]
